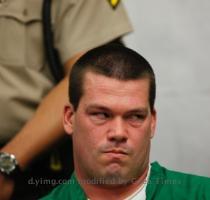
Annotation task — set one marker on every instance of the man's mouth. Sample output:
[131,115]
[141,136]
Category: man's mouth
[117,151]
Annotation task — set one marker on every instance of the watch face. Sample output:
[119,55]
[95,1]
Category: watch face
[7,163]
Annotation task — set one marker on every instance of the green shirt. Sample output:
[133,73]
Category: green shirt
[162,184]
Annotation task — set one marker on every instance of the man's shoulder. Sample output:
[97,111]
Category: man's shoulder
[165,182]
[69,190]
[177,177]
[60,192]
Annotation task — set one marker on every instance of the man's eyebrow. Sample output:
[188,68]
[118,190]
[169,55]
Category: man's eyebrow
[139,110]
[97,106]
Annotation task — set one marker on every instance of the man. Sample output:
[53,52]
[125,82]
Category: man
[28,95]
[111,118]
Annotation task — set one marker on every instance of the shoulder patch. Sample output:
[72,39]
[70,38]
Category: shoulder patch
[114,3]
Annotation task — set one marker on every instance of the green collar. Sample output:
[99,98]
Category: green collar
[76,192]
[155,179]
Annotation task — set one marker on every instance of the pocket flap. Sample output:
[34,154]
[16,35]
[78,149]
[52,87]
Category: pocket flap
[23,11]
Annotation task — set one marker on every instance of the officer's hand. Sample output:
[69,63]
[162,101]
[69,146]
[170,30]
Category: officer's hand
[6,187]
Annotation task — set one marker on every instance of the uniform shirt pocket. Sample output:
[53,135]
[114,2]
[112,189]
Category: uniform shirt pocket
[21,39]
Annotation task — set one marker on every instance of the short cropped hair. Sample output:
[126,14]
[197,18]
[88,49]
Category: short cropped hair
[114,61]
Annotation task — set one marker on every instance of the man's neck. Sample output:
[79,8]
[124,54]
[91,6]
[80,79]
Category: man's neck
[102,192]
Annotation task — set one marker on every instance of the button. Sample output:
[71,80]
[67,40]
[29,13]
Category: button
[25,12]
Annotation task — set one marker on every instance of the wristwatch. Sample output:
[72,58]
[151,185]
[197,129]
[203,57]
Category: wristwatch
[9,165]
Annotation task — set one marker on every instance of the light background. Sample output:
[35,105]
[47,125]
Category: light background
[174,36]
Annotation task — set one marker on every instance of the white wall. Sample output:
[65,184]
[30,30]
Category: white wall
[174,36]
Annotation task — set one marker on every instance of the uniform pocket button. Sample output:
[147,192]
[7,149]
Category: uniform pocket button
[25,12]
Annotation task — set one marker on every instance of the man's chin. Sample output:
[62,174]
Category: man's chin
[115,175]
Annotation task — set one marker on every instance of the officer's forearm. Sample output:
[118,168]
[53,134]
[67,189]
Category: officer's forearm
[43,129]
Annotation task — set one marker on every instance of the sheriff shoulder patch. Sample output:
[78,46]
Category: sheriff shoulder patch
[114,3]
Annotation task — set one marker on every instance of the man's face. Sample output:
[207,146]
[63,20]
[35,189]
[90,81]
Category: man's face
[111,129]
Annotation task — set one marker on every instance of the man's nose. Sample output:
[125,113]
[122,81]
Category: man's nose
[117,131]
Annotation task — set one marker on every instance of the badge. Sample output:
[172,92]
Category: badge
[114,3]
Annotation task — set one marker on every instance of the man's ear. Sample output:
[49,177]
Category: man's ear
[68,118]
[153,123]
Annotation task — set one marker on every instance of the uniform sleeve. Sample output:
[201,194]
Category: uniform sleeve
[85,24]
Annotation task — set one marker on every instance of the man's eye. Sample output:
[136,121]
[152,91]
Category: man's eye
[99,115]
[136,117]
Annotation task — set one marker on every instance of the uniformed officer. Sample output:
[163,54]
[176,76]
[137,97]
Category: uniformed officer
[30,103]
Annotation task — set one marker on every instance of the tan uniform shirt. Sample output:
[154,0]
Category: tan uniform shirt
[24,75]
